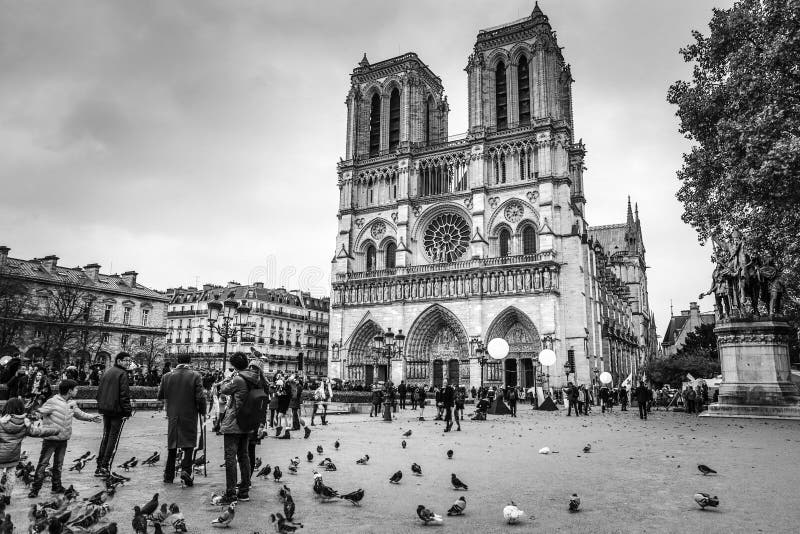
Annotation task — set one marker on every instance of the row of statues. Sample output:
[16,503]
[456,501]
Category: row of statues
[742,279]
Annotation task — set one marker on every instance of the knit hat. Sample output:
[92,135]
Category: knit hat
[239,361]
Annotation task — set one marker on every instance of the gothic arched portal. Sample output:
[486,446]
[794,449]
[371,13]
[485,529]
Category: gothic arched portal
[437,348]
[360,364]
[519,366]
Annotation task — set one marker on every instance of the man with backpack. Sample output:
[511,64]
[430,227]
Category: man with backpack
[243,410]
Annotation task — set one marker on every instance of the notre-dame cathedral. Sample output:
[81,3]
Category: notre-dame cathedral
[455,240]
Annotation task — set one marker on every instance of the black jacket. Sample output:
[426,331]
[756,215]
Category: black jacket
[449,397]
[114,393]
[642,394]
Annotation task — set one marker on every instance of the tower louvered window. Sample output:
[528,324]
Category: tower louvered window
[501,105]
[375,126]
[505,242]
[524,91]
[394,120]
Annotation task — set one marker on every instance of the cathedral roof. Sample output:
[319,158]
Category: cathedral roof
[367,71]
[609,236]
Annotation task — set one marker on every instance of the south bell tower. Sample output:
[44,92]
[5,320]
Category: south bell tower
[478,235]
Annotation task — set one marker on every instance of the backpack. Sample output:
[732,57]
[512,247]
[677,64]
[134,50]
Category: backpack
[253,411]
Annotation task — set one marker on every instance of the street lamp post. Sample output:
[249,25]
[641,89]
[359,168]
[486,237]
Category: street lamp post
[480,353]
[390,346]
[228,319]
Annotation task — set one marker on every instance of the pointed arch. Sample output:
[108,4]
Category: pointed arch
[501,96]
[436,334]
[359,348]
[375,124]
[394,119]
[507,319]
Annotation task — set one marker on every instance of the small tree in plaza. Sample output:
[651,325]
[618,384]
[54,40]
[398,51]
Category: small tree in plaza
[741,111]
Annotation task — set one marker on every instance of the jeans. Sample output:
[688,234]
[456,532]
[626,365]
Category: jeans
[513,406]
[49,447]
[236,452]
[573,404]
[402,402]
[112,426]
[186,462]
[642,410]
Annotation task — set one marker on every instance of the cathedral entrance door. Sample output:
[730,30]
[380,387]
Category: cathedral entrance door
[510,372]
[527,372]
[452,373]
[438,373]
[369,375]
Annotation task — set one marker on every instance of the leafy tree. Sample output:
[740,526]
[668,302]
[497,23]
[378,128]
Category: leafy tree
[702,342]
[701,363]
[14,303]
[742,111]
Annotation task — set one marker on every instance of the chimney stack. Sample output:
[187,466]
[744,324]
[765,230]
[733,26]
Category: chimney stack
[233,283]
[92,270]
[50,262]
[130,278]
[4,255]
[259,285]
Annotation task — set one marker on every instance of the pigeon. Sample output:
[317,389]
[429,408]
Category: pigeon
[354,496]
[403,444]
[157,526]
[450,454]
[98,498]
[458,507]
[704,499]
[78,466]
[295,461]
[364,460]
[265,471]
[285,493]
[139,522]
[457,484]
[336,445]
[574,502]
[544,450]
[325,492]
[161,515]
[276,474]
[587,448]
[257,463]
[83,456]
[288,507]
[282,526]
[324,462]
[395,478]
[293,469]
[109,528]
[71,493]
[224,520]
[200,461]
[705,469]
[416,469]
[151,506]
[310,456]
[512,513]
[176,518]
[407,434]
[319,449]
[306,432]
[150,460]
[427,516]
[330,466]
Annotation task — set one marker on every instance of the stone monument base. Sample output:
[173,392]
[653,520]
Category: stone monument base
[756,376]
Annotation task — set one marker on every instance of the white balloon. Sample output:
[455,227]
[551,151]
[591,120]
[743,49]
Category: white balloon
[605,377]
[498,348]
[547,357]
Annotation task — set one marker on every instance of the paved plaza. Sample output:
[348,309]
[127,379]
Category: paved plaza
[639,476]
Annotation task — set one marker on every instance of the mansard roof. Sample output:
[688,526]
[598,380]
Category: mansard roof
[367,72]
[250,292]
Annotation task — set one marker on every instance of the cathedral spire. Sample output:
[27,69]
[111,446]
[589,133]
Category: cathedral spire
[629,222]
[636,212]
[537,16]
[364,61]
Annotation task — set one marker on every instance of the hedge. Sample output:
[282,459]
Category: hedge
[137,392]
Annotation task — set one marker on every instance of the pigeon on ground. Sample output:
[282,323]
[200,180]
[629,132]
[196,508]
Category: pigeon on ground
[161,515]
[325,492]
[157,528]
[457,484]
[83,456]
[265,471]
[512,513]
[319,449]
[78,466]
[109,528]
[458,507]
[544,450]
[292,469]
[587,448]
[450,454]
[288,507]
[705,469]
[363,460]
[98,498]
[306,432]
[427,516]
[704,499]
[354,496]
[257,463]
[285,493]
[139,522]
[151,506]
[310,456]
[395,478]
[330,466]
[216,498]
[295,461]
[276,474]
[225,518]
[336,445]
[71,493]
[574,502]
[176,518]
[407,434]
[282,526]
[403,444]
[416,469]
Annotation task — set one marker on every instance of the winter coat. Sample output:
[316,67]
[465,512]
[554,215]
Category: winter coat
[182,391]
[402,390]
[114,393]
[448,397]
[421,395]
[236,388]
[642,394]
[297,395]
[377,396]
[604,396]
[57,413]
[12,430]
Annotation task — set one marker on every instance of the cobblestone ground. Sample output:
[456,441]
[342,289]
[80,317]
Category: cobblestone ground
[639,476]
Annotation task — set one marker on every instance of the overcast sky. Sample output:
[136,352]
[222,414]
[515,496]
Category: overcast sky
[197,141]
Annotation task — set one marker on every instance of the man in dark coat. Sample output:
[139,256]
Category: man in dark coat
[572,391]
[448,401]
[114,404]
[604,397]
[402,391]
[642,396]
[182,391]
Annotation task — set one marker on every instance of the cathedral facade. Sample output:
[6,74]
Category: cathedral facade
[454,242]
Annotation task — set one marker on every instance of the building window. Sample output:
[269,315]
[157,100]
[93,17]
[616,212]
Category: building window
[394,120]
[505,240]
[87,311]
[428,111]
[375,126]
[106,338]
[145,317]
[126,315]
[125,340]
[39,334]
[501,105]
[524,91]
[142,341]
[391,249]
[107,314]
[370,258]
[528,240]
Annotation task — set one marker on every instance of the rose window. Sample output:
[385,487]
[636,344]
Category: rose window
[446,238]
[513,212]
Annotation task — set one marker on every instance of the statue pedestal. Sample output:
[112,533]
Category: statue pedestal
[756,376]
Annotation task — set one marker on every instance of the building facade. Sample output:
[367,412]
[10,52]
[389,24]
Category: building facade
[682,325]
[58,315]
[282,327]
[458,240]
